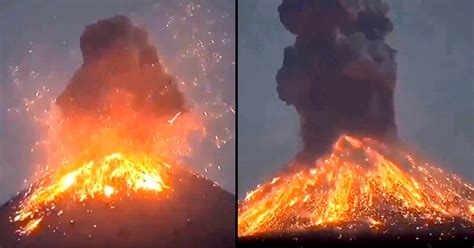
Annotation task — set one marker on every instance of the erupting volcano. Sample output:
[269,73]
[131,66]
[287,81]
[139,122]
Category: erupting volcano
[364,184]
[354,182]
[112,175]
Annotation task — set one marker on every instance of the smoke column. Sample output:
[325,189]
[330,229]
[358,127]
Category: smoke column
[340,74]
[118,57]
[121,98]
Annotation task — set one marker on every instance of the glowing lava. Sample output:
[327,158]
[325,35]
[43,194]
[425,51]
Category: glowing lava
[103,155]
[361,181]
[114,174]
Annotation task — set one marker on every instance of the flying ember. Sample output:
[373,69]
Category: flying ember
[361,181]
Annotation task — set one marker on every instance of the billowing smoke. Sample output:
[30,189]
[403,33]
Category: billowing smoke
[121,98]
[119,57]
[340,74]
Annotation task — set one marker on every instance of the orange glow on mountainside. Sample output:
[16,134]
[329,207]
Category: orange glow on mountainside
[362,181]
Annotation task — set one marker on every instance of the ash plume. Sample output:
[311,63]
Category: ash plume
[121,98]
[340,74]
[118,57]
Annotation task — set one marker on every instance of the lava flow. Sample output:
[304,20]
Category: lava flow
[110,176]
[362,182]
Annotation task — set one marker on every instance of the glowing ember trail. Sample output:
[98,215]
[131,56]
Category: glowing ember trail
[113,175]
[362,181]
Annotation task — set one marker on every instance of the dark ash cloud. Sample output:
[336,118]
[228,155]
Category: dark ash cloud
[340,74]
[118,56]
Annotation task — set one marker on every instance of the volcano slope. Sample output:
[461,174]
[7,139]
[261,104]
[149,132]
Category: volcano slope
[195,213]
[364,194]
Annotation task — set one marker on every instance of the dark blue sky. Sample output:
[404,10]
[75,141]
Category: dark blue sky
[434,94]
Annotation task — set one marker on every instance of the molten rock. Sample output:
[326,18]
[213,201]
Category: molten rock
[194,213]
[362,185]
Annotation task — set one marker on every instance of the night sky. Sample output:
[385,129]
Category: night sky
[435,85]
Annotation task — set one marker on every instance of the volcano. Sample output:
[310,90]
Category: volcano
[354,183]
[111,173]
[196,213]
[364,192]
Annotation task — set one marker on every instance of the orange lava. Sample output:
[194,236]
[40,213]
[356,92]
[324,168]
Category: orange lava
[114,174]
[104,155]
[361,181]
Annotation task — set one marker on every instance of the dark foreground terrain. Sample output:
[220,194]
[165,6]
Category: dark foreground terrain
[453,235]
[196,214]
